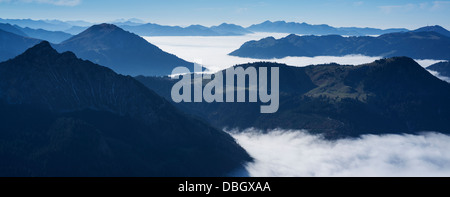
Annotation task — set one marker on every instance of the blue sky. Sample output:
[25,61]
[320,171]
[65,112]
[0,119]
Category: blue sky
[361,13]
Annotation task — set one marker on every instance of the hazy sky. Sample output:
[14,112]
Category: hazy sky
[381,13]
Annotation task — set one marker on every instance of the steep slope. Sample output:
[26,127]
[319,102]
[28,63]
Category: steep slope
[62,116]
[393,95]
[418,45]
[12,45]
[122,51]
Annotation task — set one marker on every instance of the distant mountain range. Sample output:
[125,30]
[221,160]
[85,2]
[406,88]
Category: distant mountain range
[51,36]
[193,30]
[150,29]
[308,29]
[417,45]
[122,51]
[62,116]
[394,95]
[443,68]
[105,44]
[12,44]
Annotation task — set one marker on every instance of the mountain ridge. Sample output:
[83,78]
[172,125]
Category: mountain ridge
[338,101]
[322,29]
[418,45]
[122,51]
[63,116]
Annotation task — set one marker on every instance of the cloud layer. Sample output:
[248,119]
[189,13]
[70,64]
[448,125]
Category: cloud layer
[213,51]
[282,153]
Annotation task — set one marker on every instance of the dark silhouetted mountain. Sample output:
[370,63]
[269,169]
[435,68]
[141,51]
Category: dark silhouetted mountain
[393,95]
[63,116]
[122,51]
[436,28]
[12,29]
[12,45]
[308,29]
[418,45]
[443,68]
[51,36]
[151,29]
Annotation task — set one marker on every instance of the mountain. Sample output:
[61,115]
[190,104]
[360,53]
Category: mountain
[51,36]
[394,95]
[12,29]
[63,116]
[122,51]
[230,29]
[436,28]
[151,29]
[308,29]
[50,25]
[417,45]
[12,44]
[443,68]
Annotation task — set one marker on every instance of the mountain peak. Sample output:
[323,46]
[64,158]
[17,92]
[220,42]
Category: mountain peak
[43,49]
[436,28]
[122,51]
[105,26]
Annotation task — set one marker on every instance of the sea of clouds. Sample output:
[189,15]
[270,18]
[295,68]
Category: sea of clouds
[212,51]
[296,153]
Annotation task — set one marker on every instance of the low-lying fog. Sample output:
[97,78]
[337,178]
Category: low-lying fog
[213,51]
[282,153]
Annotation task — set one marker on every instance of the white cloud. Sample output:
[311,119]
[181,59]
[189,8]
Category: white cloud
[213,51]
[51,2]
[438,5]
[425,6]
[394,8]
[282,153]
[438,75]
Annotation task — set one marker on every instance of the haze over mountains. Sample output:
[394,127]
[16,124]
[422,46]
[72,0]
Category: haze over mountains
[108,45]
[62,116]
[393,95]
[150,29]
[308,29]
[12,44]
[51,36]
[66,110]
